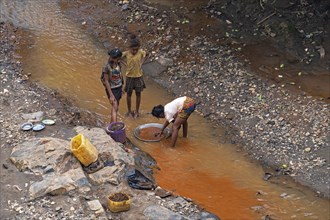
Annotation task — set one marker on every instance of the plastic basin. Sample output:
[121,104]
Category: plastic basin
[116,130]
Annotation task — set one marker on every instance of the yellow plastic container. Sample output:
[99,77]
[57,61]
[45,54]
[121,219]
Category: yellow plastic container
[83,150]
[120,206]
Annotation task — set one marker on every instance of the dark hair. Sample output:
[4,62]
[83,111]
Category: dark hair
[115,53]
[134,41]
[157,111]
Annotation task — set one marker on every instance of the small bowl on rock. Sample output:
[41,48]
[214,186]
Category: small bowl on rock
[38,127]
[27,126]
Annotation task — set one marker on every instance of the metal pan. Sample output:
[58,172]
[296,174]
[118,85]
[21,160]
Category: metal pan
[154,125]
[38,127]
[26,126]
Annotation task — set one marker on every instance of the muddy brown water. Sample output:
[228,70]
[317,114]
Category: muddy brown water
[214,174]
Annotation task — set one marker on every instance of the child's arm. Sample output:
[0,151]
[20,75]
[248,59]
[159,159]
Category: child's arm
[123,85]
[123,62]
[166,123]
[123,59]
[107,85]
[145,58]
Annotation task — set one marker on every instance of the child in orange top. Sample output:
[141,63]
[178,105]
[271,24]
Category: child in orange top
[134,58]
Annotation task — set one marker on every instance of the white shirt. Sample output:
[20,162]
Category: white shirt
[170,109]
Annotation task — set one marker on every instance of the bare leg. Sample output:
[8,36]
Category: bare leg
[114,111]
[175,130]
[129,102]
[185,128]
[138,102]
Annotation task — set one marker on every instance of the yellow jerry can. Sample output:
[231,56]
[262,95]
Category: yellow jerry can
[83,150]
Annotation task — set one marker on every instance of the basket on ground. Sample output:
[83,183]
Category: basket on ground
[119,202]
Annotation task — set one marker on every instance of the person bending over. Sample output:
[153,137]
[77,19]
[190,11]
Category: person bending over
[176,112]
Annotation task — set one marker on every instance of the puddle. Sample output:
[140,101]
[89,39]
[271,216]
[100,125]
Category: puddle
[267,61]
[61,56]
[263,57]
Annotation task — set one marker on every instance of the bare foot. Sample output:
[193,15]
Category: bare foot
[136,115]
[128,114]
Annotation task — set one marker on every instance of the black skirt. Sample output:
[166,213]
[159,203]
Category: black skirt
[117,92]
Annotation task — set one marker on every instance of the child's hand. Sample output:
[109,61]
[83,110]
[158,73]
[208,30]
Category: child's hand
[123,91]
[112,99]
[158,134]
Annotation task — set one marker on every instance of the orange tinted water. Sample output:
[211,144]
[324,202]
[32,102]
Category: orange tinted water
[201,167]
[219,194]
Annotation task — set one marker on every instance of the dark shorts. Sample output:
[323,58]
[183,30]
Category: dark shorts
[136,84]
[189,106]
[117,92]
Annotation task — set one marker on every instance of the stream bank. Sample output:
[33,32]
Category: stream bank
[187,145]
[276,125]
[48,168]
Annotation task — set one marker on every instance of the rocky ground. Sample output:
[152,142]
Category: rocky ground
[281,128]
[40,177]
[272,123]
[298,27]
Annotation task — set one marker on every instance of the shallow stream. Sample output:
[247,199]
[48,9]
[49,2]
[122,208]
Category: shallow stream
[215,174]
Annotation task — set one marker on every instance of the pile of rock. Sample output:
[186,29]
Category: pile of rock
[61,175]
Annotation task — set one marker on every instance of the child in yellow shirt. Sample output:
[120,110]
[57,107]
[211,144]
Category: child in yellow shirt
[133,58]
